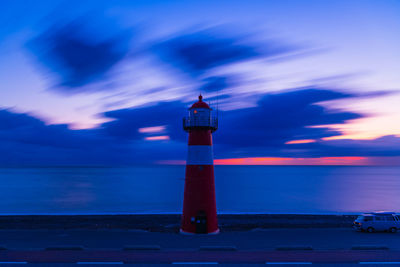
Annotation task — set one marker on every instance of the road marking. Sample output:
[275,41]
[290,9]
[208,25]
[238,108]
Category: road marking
[281,263]
[13,262]
[99,262]
[193,262]
[379,262]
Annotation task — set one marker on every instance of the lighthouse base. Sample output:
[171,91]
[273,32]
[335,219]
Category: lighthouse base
[190,233]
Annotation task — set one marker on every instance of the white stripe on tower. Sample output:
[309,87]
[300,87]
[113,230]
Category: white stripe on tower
[200,155]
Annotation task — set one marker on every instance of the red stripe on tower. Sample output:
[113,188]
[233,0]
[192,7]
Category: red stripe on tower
[199,206]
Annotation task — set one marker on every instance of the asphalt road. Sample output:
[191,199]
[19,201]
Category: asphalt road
[319,239]
[193,264]
[272,246]
[107,257]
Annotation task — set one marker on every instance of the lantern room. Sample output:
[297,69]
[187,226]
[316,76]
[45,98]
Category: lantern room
[200,117]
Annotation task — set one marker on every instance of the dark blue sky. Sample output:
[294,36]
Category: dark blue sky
[108,83]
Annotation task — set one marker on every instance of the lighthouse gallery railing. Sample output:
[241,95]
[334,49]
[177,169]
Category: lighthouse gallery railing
[210,123]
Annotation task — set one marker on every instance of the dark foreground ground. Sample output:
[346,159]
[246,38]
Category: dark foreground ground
[170,223]
[142,240]
[258,239]
[334,246]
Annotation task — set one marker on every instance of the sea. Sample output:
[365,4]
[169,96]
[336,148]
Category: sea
[158,189]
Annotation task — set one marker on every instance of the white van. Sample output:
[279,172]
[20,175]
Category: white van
[378,221]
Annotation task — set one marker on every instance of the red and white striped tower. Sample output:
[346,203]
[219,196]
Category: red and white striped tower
[199,206]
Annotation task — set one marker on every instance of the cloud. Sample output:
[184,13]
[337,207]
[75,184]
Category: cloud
[198,52]
[216,83]
[77,54]
[26,129]
[263,130]
[282,117]
[82,52]
[26,140]
[384,146]
[126,123]
[151,133]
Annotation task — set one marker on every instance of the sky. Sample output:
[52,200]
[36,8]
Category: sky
[108,82]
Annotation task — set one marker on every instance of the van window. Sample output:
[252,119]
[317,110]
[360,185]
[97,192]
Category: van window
[380,218]
[390,218]
[367,218]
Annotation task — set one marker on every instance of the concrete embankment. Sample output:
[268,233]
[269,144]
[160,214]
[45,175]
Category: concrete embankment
[170,223]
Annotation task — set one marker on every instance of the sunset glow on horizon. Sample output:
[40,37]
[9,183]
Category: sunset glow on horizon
[356,161]
[293,161]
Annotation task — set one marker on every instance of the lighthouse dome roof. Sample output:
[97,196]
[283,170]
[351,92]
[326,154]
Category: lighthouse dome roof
[200,103]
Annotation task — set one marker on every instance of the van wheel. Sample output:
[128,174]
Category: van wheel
[370,230]
[393,230]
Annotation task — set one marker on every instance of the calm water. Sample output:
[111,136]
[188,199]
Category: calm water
[159,189]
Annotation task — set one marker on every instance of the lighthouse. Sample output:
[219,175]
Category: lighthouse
[199,206]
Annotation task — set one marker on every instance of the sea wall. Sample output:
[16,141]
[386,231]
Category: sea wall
[170,223]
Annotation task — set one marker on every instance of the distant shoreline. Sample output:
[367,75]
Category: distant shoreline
[171,222]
